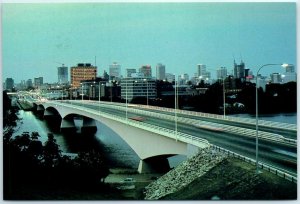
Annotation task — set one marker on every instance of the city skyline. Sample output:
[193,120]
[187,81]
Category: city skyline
[178,35]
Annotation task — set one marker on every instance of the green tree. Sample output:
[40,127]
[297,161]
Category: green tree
[51,151]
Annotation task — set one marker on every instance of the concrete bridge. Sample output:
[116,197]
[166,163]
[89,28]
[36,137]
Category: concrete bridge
[158,137]
[152,144]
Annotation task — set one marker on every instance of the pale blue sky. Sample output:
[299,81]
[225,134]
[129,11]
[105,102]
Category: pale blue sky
[179,35]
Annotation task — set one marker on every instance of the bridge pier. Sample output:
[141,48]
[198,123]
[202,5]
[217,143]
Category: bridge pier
[88,126]
[155,165]
[48,113]
[67,125]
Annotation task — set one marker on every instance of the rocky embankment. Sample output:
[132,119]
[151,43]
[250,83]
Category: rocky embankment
[184,174]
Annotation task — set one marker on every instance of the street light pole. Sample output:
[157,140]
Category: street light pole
[256,111]
[224,109]
[81,91]
[126,102]
[99,92]
[175,110]
[147,90]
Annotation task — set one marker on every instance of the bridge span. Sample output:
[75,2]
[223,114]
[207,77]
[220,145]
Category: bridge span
[152,144]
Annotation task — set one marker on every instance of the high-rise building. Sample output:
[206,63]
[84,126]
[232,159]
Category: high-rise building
[290,68]
[221,73]
[38,81]
[201,71]
[146,70]
[170,77]
[29,83]
[160,71]
[62,73]
[129,72]
[290,75]
[239,70]
[9,84]
[183,79]
[82,72]
[115,71]
[276,78]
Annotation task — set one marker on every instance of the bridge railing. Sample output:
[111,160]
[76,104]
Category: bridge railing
[280,125]
[204,124]
[260,164]
[286,126]
[199,142]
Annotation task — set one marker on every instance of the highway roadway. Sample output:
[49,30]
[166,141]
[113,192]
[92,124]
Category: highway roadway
[279,155]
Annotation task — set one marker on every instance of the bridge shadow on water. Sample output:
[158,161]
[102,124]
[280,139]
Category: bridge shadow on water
[117,153]
[115,150]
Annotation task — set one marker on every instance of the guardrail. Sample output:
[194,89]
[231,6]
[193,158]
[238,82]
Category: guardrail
[272,124]
[203,124]
[199,142]
[260,164]
[285,126]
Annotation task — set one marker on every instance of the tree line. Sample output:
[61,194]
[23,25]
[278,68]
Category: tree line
[29,163]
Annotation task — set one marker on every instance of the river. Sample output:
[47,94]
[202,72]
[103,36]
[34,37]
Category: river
[119,153]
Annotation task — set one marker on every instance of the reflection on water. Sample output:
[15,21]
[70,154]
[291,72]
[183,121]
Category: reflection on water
[105,140]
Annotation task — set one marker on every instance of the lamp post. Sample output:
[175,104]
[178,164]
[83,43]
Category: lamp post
[224,109]
[256,111]
[176,98]
[99,92]
[126,102]
[111,84]
[90,92]
[70,91]
[147,90]
[81,91]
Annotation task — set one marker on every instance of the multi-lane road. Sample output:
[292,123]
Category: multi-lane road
[277,153]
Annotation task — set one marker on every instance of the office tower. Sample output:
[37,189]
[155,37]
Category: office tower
[146,70]
[115,71]
[129,72]
[29,83]
[9,84]
[62,73]
[201,71]
[38,81]
[239,70]
[221,73]
[160,71]
[290,75]
[170,77]
[183,79]
[276,78]
[82,72]
[290,69]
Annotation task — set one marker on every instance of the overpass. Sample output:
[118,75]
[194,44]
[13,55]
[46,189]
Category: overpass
[152,144]
[277,141]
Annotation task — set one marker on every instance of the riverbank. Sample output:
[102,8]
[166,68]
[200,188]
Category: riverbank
[233,179]
[213,176]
